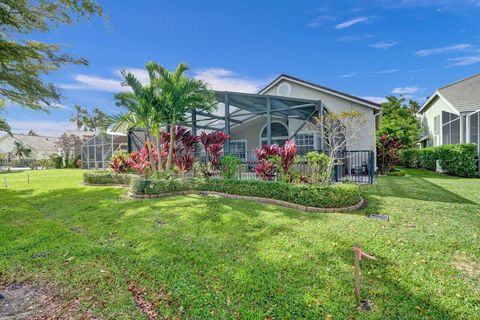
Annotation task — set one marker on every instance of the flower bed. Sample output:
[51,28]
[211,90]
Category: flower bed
[106,178]
[337,196]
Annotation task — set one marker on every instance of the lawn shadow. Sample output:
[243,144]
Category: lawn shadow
[415,187]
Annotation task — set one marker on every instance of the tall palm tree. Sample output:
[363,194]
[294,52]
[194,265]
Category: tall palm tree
[177,96]
[79,117]
[20,150]
[142,106]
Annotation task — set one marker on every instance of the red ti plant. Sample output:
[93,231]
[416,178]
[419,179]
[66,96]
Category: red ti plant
[213,143]
[185,151]
[140,163]
[120,163]
[287,154]
[271,155]
[388,154]
[266,170]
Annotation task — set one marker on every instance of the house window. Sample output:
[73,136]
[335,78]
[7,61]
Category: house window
[239,149]
[305,142]
[450,128]
[279,134]
[436,131]
[474,127]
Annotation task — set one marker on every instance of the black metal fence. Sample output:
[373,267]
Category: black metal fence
[352,166]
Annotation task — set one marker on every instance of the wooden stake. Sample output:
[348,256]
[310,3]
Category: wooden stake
[5,180]
[28,177]
[357,251]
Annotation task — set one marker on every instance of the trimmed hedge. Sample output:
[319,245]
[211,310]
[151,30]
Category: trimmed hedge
[455,159]
[458,159]
[106,178]
[337,196]
[411,158]
[429,158]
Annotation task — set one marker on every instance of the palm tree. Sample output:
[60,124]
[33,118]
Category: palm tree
[79,117]
[20,150]
[177,96]
[142,109]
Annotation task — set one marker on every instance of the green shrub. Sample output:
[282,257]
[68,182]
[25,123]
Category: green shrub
[106,177]
[57,162]
[458,159]
[411,158]
[229,166]
[396,173]
[429,158]
[336,196]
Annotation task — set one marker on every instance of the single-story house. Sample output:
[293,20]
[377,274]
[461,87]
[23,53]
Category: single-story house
[42,147]
[452,114]
[278,112]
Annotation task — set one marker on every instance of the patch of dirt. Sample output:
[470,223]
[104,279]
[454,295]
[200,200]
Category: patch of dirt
[145,306]
[25,301]
[467,266]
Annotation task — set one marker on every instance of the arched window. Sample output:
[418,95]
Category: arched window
[279,134]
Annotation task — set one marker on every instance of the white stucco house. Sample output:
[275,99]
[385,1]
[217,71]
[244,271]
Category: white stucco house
[452,114]
[278,112]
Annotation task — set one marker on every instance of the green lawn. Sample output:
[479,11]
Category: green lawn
[202,257]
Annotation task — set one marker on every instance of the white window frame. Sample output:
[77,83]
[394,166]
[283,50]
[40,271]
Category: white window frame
[260,139]
[246,148]
[315,146]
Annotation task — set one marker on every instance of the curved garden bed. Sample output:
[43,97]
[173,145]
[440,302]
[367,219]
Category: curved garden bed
[335,198]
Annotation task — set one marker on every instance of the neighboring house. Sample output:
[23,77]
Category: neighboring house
[83,136]
[451,114]
[42,147]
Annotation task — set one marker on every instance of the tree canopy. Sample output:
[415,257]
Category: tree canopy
[399,120]
[96,121]
[25,62]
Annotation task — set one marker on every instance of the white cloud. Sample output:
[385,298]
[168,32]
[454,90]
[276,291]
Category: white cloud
[320,21]
[464,61]
[383,44]
[355,37]
[455,48]
[227,80]
[354,74]
[409,90]
[352,22]
[41,127]
[94,83]
[375,99]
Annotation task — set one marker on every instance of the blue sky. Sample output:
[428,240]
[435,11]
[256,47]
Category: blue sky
[366,48]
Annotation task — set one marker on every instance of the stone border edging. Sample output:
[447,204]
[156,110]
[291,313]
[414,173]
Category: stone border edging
[361,204]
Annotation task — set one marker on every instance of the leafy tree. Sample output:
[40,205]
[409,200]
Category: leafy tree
[20,150]
[96,121]
[399,120]
[179,95]
[3,123]
[26,62]
[31,132]
[69,144]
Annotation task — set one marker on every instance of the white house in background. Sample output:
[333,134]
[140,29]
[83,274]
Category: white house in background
[42,146]
[452,114]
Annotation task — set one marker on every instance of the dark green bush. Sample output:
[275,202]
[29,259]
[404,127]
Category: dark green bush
[106,177]
[310,195]
[429,158]
[458,159]
[411,158]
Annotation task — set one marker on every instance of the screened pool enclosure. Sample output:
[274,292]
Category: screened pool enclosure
[253,120]
[97,152]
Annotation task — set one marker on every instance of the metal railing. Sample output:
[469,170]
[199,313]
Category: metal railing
[352,166]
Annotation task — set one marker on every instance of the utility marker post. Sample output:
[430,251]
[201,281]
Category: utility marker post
[28,177]
[358,256]
[5,181]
